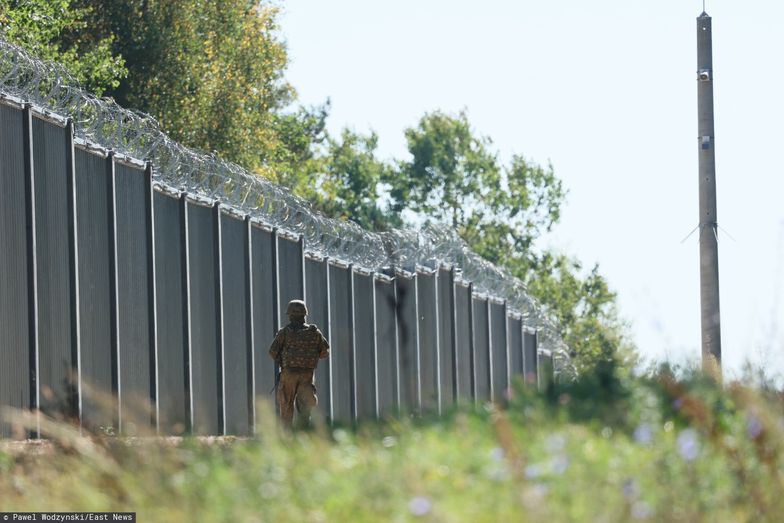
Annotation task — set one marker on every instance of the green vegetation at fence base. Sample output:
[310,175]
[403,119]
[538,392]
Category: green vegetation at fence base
[604,449]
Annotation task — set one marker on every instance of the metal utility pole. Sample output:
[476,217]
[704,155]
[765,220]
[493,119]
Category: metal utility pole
[709,248]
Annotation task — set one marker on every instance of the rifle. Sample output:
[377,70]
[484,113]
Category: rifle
[279,365]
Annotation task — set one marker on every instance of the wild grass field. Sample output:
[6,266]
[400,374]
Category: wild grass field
[609,447]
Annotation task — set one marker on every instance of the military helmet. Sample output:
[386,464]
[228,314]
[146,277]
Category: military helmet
[297,308]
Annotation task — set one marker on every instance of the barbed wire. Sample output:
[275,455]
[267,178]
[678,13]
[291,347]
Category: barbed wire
[102,121]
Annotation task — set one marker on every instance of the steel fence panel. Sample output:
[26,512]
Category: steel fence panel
[15,341]
[515,347]
[546,371]
[317,296]
[386,347]
[83,216]
[408,342]
[464,343]
[530,357]
[237,339]
[172,308]
[87,248]
[205,321]
[498,341]
[136,135]
[364,347]
[57,347]
[95,241]
[428,340]
[136,335]
[265,309]
[342,351]
[290,274]
[482,366]
[446,335]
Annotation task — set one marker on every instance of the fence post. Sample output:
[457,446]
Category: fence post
[396,319]
[375,344]
[352,352]
[508,384]
[490,342]
[74,379]
[218,252]
[437,321]
[251,329]
[32,266]
[331,411]
[453,347]
[114,299]
[152,299]
[188,315]
[472,342]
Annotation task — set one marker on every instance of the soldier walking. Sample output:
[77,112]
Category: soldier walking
[296,349]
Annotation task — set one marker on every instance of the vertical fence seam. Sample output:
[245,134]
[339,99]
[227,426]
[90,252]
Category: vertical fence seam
[276,297]
[538,361]
[490,348]
[353,341]
[472,343]
[189,312]
[251,352]
[418,349]
[375,346]
[73,246]
[218,254]
[453,348]
[436,277]
[113,291]
[301,244]
[397,346]
[329,341]
[152,297]
[33,374]
[506,351]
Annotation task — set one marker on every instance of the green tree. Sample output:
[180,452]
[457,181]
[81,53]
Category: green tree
[454,177]
[349,181]
[449,173]
[55,30]
[295,158]
[212,74]
[584,305]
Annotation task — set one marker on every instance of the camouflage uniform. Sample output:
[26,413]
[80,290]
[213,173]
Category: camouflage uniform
[297,347]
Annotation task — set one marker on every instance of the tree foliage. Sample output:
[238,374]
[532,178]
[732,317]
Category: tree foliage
[450,171]
[349,182]
[55,30]
[212,73]
[454,177]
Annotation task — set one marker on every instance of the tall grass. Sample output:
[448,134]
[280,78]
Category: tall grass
[610,447]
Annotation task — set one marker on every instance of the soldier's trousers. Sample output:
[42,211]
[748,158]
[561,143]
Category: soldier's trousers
[296,386]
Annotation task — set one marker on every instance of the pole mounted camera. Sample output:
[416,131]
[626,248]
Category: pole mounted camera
[709,249]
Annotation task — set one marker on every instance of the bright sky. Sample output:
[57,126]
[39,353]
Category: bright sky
[605,90]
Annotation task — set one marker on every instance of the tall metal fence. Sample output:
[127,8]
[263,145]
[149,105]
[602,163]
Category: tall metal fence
[147,292]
